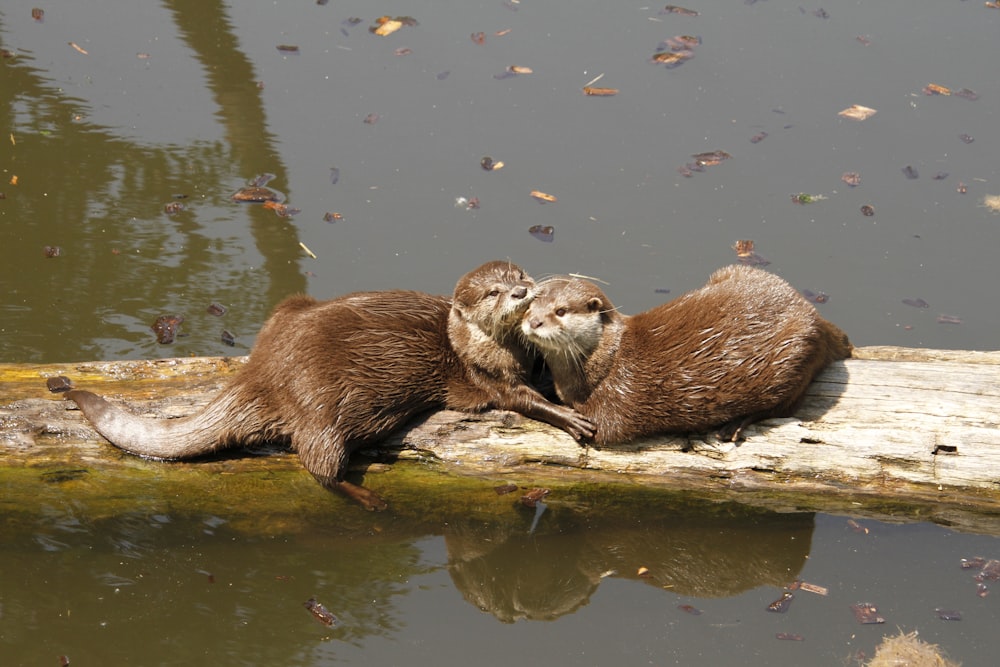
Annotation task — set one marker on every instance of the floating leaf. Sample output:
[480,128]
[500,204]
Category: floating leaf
[857,112]
[543,197]
[594,91]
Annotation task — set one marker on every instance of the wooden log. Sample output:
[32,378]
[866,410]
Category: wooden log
[893,432]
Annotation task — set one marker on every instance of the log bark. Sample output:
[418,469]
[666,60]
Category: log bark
[894,432]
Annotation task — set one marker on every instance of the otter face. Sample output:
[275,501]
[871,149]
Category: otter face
[567,317]
[494,296]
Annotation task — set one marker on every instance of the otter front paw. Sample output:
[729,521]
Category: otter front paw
[578,426]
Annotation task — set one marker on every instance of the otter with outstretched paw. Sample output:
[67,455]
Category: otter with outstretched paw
[328,377]
[742,348]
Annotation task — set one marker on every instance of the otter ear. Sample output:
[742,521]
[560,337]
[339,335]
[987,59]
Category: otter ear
[595,304]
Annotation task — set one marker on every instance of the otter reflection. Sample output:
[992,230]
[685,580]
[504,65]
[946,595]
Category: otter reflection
[503,570]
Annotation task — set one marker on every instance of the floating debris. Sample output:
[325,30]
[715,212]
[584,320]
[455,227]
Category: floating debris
[51,251]
[780,606]
[815,297]
[255,195]
[216,308]
[441,76]
[520,69]
[543,197]
[504,489]
[856,527]
[867,210]
[479,38]
[594,91]
[288,48]
[672,59]
[385,25]
[803,198]
[990,571]
[371,119]
[710,158]
[320,613]
[489,164]
[948,614]
[910,172]
[533,497]
[58,384]
[916,303]
[683,11]
[745,254]
[281,210]
[680,43]
[866,613]
[642,572]
[940,176]
[173,208]
[686,608]
[992,202]
[961,188]
[906,649]
[543,232]
[78,48]
[166,328]
[307,250]
[948,319]
[967,94]
[789,636]
[852,178]
[967,138]
[934,89]
[402,51]
[334,175]
[255,192]
[813,588]
[332,217]
[759,137]
[857,112]
[37,14]
[228,338]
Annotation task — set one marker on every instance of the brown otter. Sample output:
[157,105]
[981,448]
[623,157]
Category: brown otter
[329,377]
[742,348]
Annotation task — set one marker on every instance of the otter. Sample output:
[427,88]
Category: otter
[328,377]
[742,348]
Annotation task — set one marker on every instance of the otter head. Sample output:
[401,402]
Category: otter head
[493,298]
[567,317]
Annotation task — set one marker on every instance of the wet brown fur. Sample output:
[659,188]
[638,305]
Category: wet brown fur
[742,348]
[329,377]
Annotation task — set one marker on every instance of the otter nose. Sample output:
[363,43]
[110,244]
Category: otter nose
[519,292]
[534,322]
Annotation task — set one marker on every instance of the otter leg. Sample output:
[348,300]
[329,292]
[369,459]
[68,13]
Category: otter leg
[324,454]
[532,404]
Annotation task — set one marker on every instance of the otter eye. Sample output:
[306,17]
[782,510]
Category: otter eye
[494,292]
[560,312]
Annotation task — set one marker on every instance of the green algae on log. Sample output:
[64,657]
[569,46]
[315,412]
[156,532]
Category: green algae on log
[894,432]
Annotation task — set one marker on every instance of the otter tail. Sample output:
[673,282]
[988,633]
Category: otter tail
[183,438]
[838,345]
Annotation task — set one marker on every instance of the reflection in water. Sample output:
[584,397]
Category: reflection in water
[515,575]
[101,198]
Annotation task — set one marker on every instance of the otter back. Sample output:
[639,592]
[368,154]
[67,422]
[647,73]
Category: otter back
[743,347]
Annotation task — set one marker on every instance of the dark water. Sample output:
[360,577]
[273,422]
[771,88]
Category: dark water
[193,99]
[154,587]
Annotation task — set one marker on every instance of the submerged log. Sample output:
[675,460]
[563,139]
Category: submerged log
[892,432]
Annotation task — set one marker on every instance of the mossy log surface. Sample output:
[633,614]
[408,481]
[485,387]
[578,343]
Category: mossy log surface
[894,433]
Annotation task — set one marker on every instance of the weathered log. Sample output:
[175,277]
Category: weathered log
[892,432]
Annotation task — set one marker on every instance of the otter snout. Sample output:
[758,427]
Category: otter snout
[534,322]
[519,292]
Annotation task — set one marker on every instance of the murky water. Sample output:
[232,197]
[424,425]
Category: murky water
[157,587]
[184,102]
